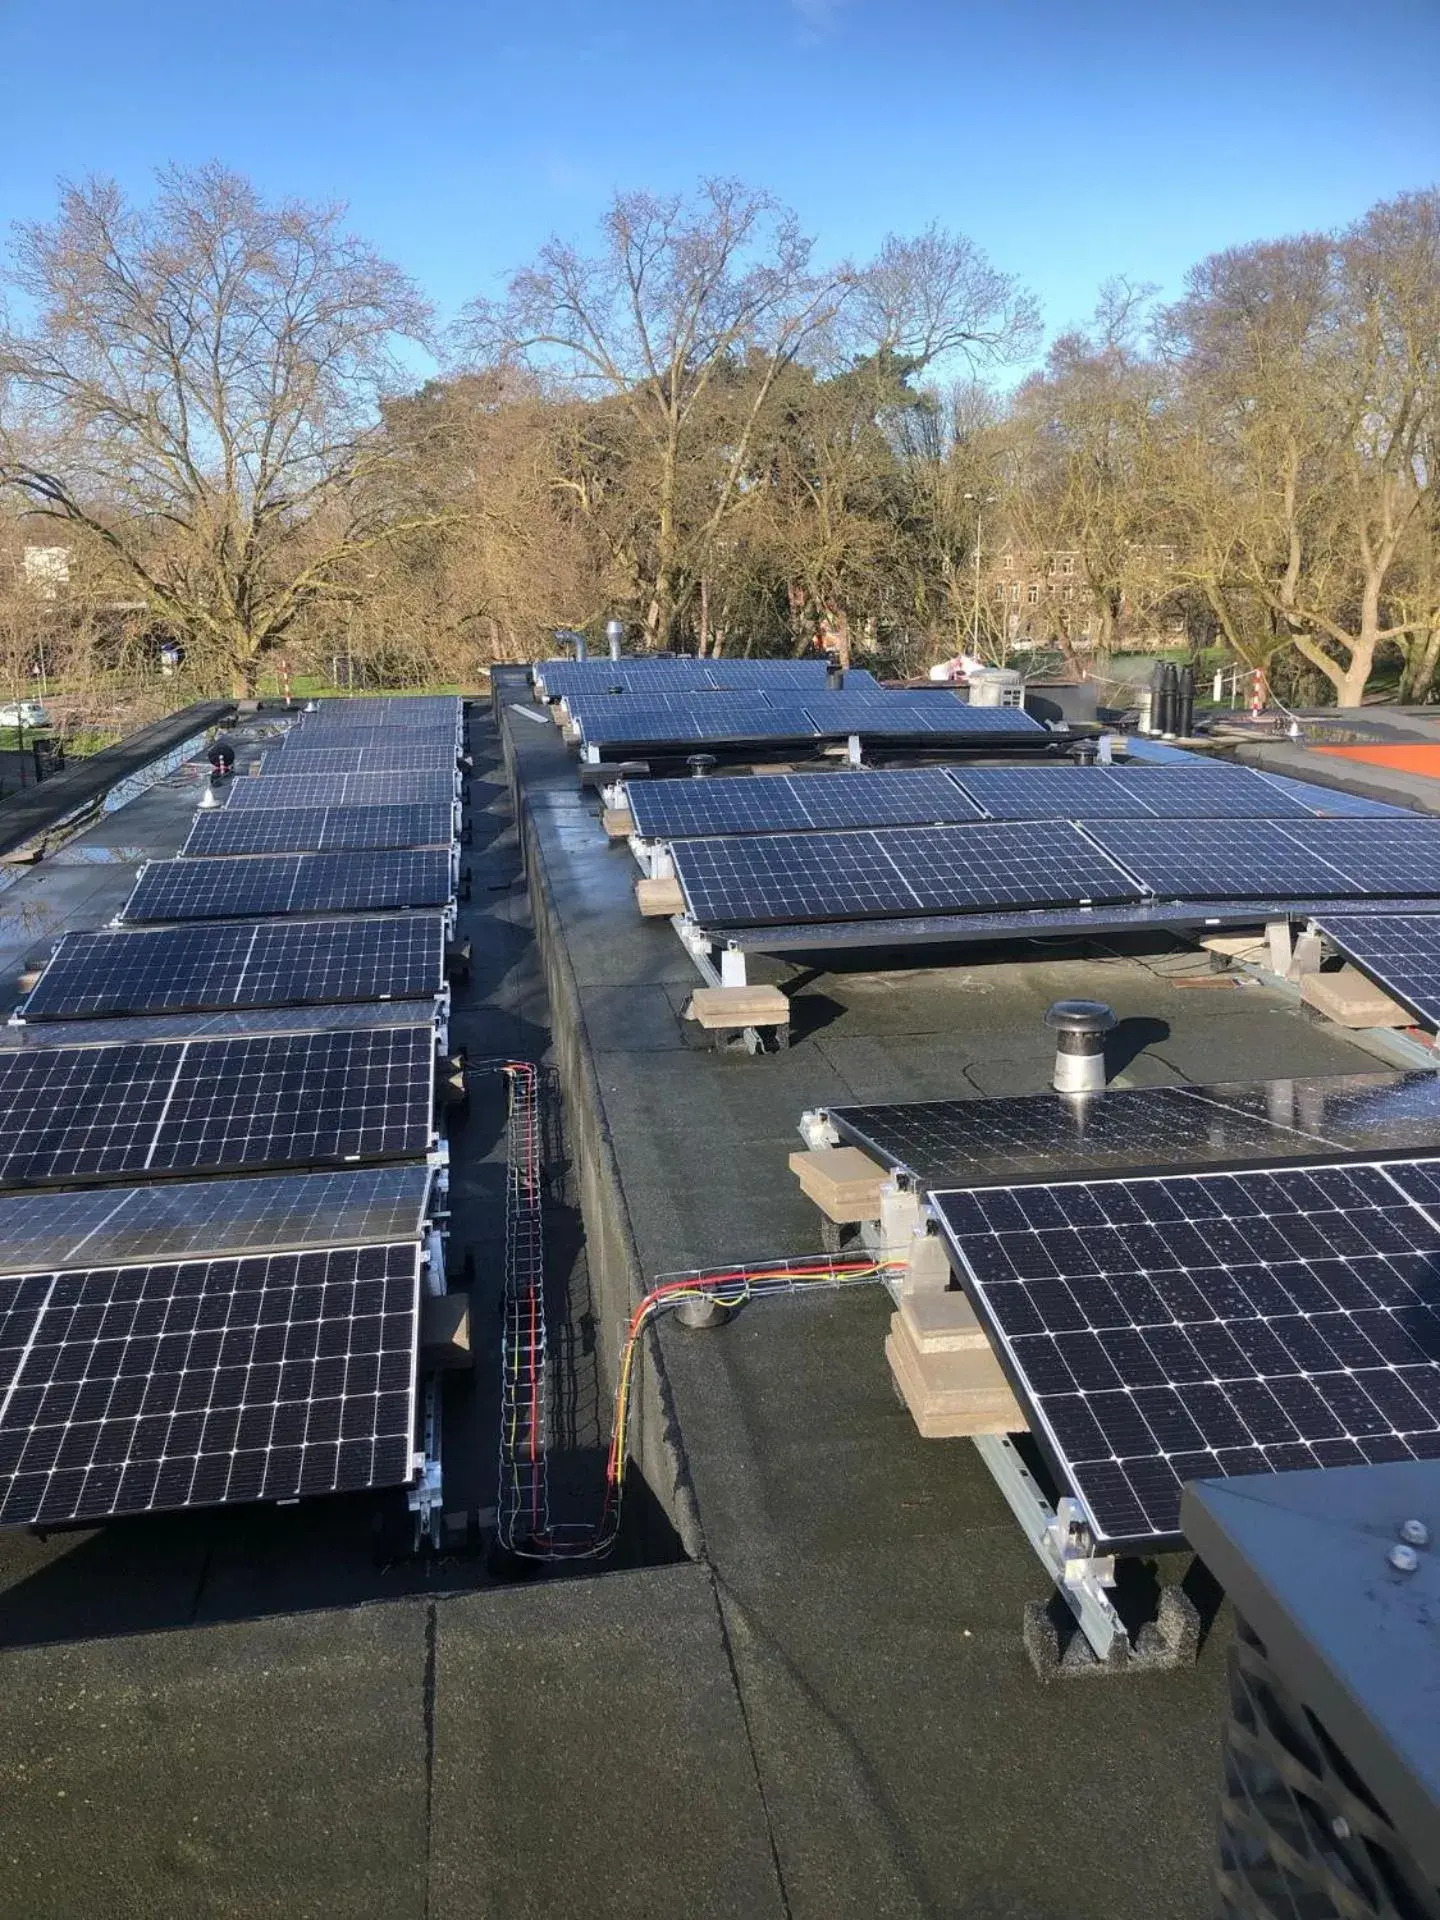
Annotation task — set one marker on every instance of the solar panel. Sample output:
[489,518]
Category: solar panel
[205,1219]
[1053,793]
[76,1114]
[387,710]
[179,969]
[1216,792]
[291,883]
[399,789]
[1380,856]
[1225,859]
[941,713]
[664,809]
[659,674]
[355,758]
[619,720]
[1165,1330]
[855,876]
[347,1016]
[227,830]
[203,1383]
[1329,801]
[1401,952]
[942,1143]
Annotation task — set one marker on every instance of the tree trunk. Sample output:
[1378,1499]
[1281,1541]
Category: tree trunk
[703,644]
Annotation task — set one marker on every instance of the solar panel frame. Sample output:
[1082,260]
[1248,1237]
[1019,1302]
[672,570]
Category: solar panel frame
[220,831]
[212,1219]
[1223,858]
[942,714]
[344,789]
[895,873]
[1209,1324]
[206,1383]
[193,968]
[347,1016]
[73,1116]
[374,880]
[1391,856]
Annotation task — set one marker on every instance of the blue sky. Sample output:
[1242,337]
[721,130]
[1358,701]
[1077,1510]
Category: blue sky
[1072,141]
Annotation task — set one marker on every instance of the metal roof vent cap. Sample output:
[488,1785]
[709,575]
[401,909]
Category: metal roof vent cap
[699,764]
[1080,1027]
[1084,753]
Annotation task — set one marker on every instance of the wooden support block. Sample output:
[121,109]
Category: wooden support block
[657,897]
[1350,1000]
[844,1183]
[721,1007]
[1230,946]
[773,766]
[943,1323]
[952,1393]
[618,822]
[445,1332]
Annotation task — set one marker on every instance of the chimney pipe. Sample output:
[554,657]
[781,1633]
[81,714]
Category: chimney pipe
[615,635]
[834,672]
[1080,1027]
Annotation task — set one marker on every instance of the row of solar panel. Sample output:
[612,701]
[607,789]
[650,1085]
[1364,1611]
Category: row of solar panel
[782,879]
[274,1353]
[1160,1329]
[622,720]
[925,796]
[675,673]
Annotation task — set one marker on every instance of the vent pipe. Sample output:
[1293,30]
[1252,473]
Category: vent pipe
[699,764]
[1080,1027]
[615,636]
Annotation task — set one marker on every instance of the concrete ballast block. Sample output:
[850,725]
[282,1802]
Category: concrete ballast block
[722,1007]
[1350,1000]
[844,1183]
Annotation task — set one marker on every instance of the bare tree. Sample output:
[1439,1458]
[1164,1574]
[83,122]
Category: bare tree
[198,397]
[679,294]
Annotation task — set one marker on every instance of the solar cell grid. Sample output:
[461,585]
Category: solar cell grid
[175,969]
[620,721]
[76,1114]
[226,830]
[1175,1329]
[1380,856]
[388,710]
[1329,801]
[797,877]
[1226,859]
[192,1219]
[1053,793]
[943,714]
[665,809]
[347,758]
[1399,951]
[265,884]
[132,1389]
[954,1142]
[397,789]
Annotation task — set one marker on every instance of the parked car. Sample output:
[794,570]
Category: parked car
[24,713]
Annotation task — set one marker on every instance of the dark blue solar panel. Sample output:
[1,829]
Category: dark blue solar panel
[666,809]
[1394,856]
[1400,951]
[231,830]
[291,883]
[941,713]
[904,871]
[1222,859]
[1165,1330]
[397,789]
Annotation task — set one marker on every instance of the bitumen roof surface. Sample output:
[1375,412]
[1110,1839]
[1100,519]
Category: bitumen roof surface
[826,1710]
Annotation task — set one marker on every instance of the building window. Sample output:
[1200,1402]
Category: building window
[1032,594]
[1069,593]
[1007,562]
[1068,565]
[1015,593]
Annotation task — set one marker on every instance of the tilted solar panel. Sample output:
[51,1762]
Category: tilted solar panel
[145,1388]
[1200,1325]
[228,830]
[665,809]
[1399,951]
[347,1016]
[945,1143]
[942,713]
[852,876]
[1394,856]
[348,758]
[1225,859]
[386,710]
[1053,793]
[206,1219]
[620,721]
[398,789]
[1328,801]
[1214,792]
[266,884]
[76,1114]
[179,969]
